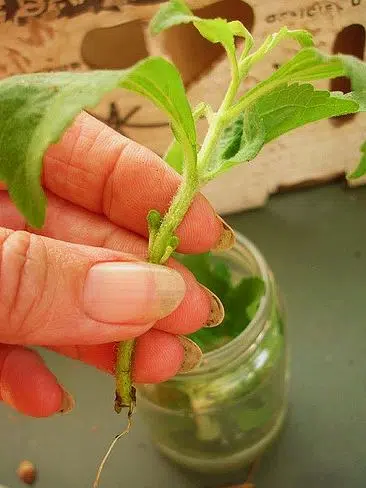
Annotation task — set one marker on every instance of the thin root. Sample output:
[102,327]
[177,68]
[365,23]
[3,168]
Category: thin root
[110,449]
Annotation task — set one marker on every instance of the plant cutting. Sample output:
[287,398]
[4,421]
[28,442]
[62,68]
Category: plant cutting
[237,131]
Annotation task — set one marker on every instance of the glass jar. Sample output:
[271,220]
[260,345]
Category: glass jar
[223,414]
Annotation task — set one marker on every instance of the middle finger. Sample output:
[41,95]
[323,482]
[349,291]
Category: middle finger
[70,223]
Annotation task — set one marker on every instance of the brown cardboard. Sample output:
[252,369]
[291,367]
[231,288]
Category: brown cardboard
[51,35]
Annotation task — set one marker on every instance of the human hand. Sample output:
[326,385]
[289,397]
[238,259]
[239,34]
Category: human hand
[79,285]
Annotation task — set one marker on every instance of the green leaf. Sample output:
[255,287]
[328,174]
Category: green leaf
[275,113]
[208,271]
[222,272]
[217,30]
[230,141]
[355,69]
[239,30]
[309,64]
[303,37]
[241,303]
[240,142]
[244,298]
[175,157]
[251,142]
[157,79]
[359,97]
[171,13]
[361,168]
[37,108]
[240,300]
[291,106]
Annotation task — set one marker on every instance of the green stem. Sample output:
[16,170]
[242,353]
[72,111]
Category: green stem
[125,391]
[252,95]
[173,218]
[161,243]
[219,120]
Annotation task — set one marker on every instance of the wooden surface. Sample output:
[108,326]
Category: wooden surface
[41,35]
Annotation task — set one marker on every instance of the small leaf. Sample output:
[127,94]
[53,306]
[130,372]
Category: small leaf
[240,142]
[171,13]
[153,223]
[251,142]
[171,247]
[218,30]
[200,110]
[361,168]
[303,37]
[239,29]
[175,157]
[200,265]
[153,220]
[230,141]
[221,270]
[37,108]
[240,301]
[245,297]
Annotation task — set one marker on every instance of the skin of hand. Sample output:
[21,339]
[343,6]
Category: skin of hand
[80,284]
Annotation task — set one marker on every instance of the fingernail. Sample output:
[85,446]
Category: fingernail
[227,237]
[192,355]
[68,402]
[133,293]
[217,312]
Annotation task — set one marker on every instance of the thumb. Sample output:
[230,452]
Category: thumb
[57,293]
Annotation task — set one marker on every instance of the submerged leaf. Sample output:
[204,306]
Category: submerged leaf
[240,300]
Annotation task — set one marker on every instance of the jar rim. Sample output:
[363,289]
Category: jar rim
[255,326]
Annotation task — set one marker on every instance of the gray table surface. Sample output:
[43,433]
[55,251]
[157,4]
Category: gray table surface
[314,241]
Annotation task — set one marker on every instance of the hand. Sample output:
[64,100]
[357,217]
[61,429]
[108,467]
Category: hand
[80,284]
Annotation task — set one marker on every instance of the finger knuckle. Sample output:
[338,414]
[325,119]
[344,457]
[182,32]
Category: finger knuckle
[108,188]
[22,279]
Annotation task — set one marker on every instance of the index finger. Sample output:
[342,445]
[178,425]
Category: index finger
[99,169]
